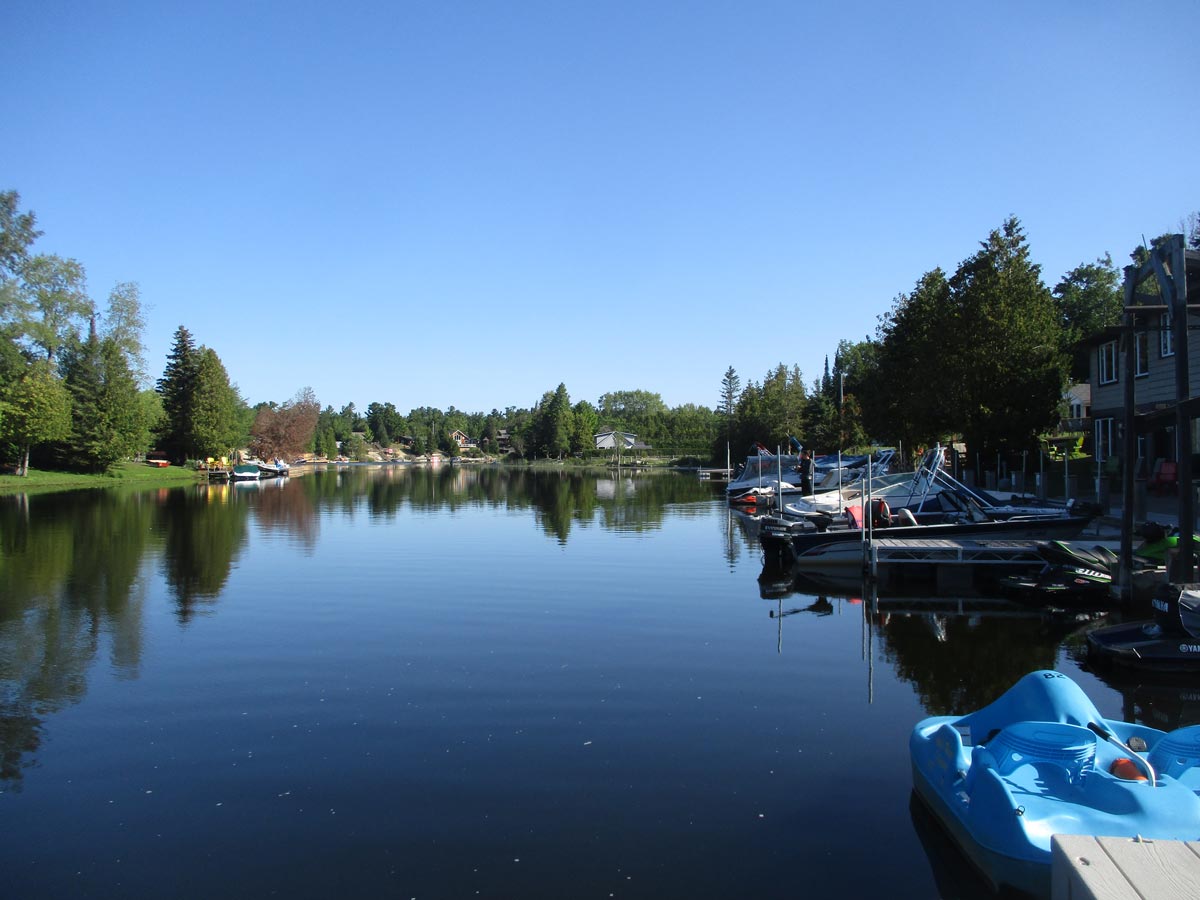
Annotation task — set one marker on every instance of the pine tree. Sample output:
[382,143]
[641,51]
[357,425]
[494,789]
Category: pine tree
[731,386]
[178,389]
[214,424]
[106,413]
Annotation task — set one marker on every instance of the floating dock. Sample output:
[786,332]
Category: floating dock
[947,562]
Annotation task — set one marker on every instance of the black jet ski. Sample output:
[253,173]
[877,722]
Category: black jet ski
[1170,642]
[1074,575]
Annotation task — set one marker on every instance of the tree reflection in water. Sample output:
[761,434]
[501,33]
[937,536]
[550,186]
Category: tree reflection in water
[69,581]
[72,564]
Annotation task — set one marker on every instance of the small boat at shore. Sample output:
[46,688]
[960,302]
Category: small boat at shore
[244,472]
[1041,760]
[275,469]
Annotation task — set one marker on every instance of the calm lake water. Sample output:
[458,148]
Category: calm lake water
[398,682]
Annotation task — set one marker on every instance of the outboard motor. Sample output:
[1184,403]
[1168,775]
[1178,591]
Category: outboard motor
[1077,507]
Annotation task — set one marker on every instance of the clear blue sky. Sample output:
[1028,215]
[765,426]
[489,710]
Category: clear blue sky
[465,203]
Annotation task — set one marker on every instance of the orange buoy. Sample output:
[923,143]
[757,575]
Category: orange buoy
[1126,768]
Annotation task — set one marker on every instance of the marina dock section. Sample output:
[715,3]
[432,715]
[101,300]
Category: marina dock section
[948,563]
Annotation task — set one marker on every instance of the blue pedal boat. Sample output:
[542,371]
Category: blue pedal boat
[1040,761]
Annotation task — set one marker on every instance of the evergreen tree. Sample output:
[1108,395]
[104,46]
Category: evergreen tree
[911,397]
[177,387]
[584,422]
[1088,299]
[552,423]
[1004,343]
[106,413]
[326,445]
[215,428]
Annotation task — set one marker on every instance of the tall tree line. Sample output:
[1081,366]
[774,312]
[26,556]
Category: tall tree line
[73,377]
[78,398]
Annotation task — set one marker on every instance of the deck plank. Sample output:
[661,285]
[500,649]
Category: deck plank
[1108,868]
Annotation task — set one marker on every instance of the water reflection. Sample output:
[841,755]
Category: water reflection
[73,582]
[68,585]
[1165,701]
[959,652]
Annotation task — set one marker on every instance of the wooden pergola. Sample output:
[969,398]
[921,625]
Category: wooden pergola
[1171,267]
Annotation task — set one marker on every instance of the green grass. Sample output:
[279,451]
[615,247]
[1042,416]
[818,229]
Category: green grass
[129,473]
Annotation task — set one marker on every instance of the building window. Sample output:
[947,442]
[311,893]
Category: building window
[1141,347]
[1108,362]
[1166,337]
[1105,435]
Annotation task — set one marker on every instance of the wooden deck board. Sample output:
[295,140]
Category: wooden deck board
[1108,868]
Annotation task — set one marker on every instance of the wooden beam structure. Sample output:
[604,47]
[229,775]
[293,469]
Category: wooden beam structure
[1169,264]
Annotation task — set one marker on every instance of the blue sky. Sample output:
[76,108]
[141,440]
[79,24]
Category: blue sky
[464,204]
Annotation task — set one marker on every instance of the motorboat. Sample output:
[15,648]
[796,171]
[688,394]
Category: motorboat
[1041,760]
[837,472]
[780,472]
[824,541]
[274,469]
[244,472]
[930,493]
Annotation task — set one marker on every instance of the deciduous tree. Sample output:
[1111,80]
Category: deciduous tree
[54,304]
[34,409]
[124,323]
[288,430]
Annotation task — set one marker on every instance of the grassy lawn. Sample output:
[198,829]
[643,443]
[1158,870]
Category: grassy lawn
[131,474]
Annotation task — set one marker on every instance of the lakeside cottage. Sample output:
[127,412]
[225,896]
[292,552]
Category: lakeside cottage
[611,440]
[1145,350]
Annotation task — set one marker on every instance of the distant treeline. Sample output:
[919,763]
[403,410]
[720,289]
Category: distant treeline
[983,355]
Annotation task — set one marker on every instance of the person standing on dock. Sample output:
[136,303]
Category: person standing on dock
[807,472]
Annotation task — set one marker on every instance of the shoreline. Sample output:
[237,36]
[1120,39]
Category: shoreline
[140,475]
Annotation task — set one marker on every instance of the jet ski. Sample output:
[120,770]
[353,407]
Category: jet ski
[1074,575]
[1170,642]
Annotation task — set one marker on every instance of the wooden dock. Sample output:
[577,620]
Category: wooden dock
[1108,868]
